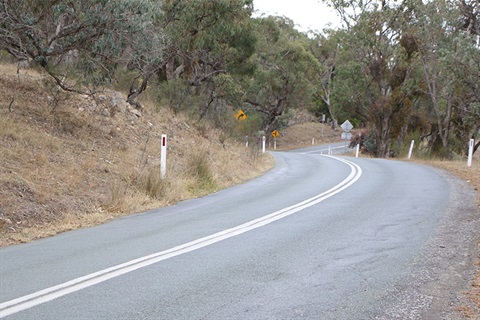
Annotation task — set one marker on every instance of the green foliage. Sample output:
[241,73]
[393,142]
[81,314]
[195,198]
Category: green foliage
[199,41]
[366,139]
[217,33]
[124,79]
[348,96]
[175,95]
[401,147]
[285,71]
[318,108]
[66,36]
[400,68]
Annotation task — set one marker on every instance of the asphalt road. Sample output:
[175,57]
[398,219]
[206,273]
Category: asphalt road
[318,237]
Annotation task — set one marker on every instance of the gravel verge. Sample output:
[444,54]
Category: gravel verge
[443,271]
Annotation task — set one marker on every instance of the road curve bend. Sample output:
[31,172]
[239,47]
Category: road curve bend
[318,237]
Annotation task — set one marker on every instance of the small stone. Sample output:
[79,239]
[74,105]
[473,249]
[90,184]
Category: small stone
[136,113]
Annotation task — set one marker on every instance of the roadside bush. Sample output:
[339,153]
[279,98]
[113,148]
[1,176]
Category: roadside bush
[367,140]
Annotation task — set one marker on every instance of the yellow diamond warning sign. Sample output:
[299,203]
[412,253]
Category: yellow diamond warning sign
[275,133]
[240,115]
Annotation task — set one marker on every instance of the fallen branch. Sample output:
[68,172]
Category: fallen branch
[12,99]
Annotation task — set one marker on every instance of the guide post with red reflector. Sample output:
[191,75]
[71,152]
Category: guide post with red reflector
[163,156]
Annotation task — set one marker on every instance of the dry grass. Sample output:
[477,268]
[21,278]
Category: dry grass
[301,135]
[72,164]
[460,168]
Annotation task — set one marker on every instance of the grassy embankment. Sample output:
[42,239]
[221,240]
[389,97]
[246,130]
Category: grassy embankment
[70,162]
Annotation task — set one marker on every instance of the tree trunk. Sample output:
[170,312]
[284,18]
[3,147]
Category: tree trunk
[383,139]
[135,91]
[326,98]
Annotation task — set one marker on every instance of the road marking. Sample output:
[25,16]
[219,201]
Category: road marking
[49,294]
[321,150]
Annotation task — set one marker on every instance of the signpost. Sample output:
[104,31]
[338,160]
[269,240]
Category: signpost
[346,135]
[240,115]
[275,134]
[347,126]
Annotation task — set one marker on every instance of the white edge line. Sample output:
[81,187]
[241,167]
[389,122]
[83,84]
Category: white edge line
[321,150]
[19,304]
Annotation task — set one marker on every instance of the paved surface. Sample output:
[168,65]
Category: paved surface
[398,243]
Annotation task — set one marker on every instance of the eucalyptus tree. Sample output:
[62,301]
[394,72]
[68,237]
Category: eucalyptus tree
[470,16]
[326,51]
[205,40]
[469,66]
[434,42]
[348,94]
[67,38]
[465,65]
[377,65]
[445,34]
[285,70]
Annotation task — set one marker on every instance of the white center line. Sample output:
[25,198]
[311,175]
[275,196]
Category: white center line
[49,294]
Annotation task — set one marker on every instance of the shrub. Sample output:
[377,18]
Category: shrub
[367,140]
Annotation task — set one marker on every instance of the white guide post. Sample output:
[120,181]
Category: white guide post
[263,144]
[274,143]
[163,156]
[313,141]
[329,151]
[323,121]
[411,149]
[358,150]
[470,152]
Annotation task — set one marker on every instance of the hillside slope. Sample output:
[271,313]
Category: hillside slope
[69,161]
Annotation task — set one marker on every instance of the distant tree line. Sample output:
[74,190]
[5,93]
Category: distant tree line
[401,69]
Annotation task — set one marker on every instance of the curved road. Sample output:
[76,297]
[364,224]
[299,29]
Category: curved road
[318,237]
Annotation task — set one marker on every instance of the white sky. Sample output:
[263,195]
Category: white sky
[307,14]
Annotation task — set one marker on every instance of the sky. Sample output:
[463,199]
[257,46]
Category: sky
[307,14]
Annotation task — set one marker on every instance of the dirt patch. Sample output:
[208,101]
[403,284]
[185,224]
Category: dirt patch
[307,134]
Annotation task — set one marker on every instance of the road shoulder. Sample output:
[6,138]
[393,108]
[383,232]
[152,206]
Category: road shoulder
[442,272]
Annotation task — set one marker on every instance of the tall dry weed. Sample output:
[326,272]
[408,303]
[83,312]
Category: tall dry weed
[198,166]
[151,183]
